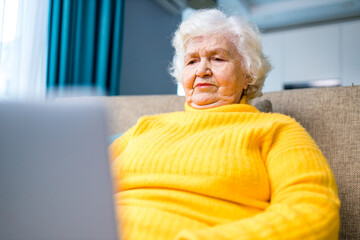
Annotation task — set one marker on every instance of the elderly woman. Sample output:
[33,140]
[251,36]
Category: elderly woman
[221,169]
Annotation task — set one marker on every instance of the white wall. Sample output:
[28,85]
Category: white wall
[351,53]
[316,53]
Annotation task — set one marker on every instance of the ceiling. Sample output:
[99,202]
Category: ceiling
[274,14]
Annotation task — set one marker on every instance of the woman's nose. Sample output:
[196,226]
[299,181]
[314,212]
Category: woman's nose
[203,69]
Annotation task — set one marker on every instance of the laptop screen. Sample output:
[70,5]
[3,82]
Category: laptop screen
[55,180]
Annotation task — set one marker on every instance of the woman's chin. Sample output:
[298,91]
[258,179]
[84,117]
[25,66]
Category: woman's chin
[205,104]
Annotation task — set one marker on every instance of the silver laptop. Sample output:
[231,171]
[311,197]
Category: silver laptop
[55,180]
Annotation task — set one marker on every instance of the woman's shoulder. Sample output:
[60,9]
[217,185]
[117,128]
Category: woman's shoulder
[277,117]
[277,122]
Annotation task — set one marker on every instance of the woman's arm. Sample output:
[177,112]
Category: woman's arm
[119,144]
[304,202]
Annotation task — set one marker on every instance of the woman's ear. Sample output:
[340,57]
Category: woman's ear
[247,81]
[246,84]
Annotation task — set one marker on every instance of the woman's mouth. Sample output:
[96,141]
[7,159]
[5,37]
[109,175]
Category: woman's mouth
[203,85]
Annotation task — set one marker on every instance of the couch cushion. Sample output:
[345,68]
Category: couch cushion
[264,106]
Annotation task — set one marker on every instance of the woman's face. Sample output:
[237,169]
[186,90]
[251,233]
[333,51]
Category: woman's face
[212,74]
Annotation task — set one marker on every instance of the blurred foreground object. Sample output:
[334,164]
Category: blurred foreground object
[54,172]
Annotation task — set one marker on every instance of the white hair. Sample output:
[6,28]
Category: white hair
[239,31]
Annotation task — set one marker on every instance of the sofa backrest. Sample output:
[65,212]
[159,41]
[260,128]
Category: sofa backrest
[330,115]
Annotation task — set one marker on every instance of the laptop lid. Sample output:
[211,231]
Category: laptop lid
[55,180]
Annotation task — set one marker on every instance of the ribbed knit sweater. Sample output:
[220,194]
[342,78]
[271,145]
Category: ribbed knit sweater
[228,172]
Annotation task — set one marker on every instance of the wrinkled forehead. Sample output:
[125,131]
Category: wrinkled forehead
[210,44]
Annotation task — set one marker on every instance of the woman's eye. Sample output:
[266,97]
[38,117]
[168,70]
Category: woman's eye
[218,59]
[190,62]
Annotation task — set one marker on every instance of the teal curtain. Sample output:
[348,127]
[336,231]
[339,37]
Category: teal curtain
[85,40]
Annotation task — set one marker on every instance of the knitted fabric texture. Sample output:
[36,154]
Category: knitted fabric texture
[228,172]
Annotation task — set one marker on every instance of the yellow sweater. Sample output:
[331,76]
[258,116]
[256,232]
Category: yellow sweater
[228,172]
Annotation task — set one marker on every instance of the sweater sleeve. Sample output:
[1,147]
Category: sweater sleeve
[119,144]
[304,202]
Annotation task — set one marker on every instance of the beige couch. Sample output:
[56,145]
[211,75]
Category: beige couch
[330,115]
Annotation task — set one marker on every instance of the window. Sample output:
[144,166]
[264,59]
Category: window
[23,49]
[8,22]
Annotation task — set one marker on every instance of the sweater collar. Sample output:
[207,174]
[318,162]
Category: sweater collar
[243,106]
